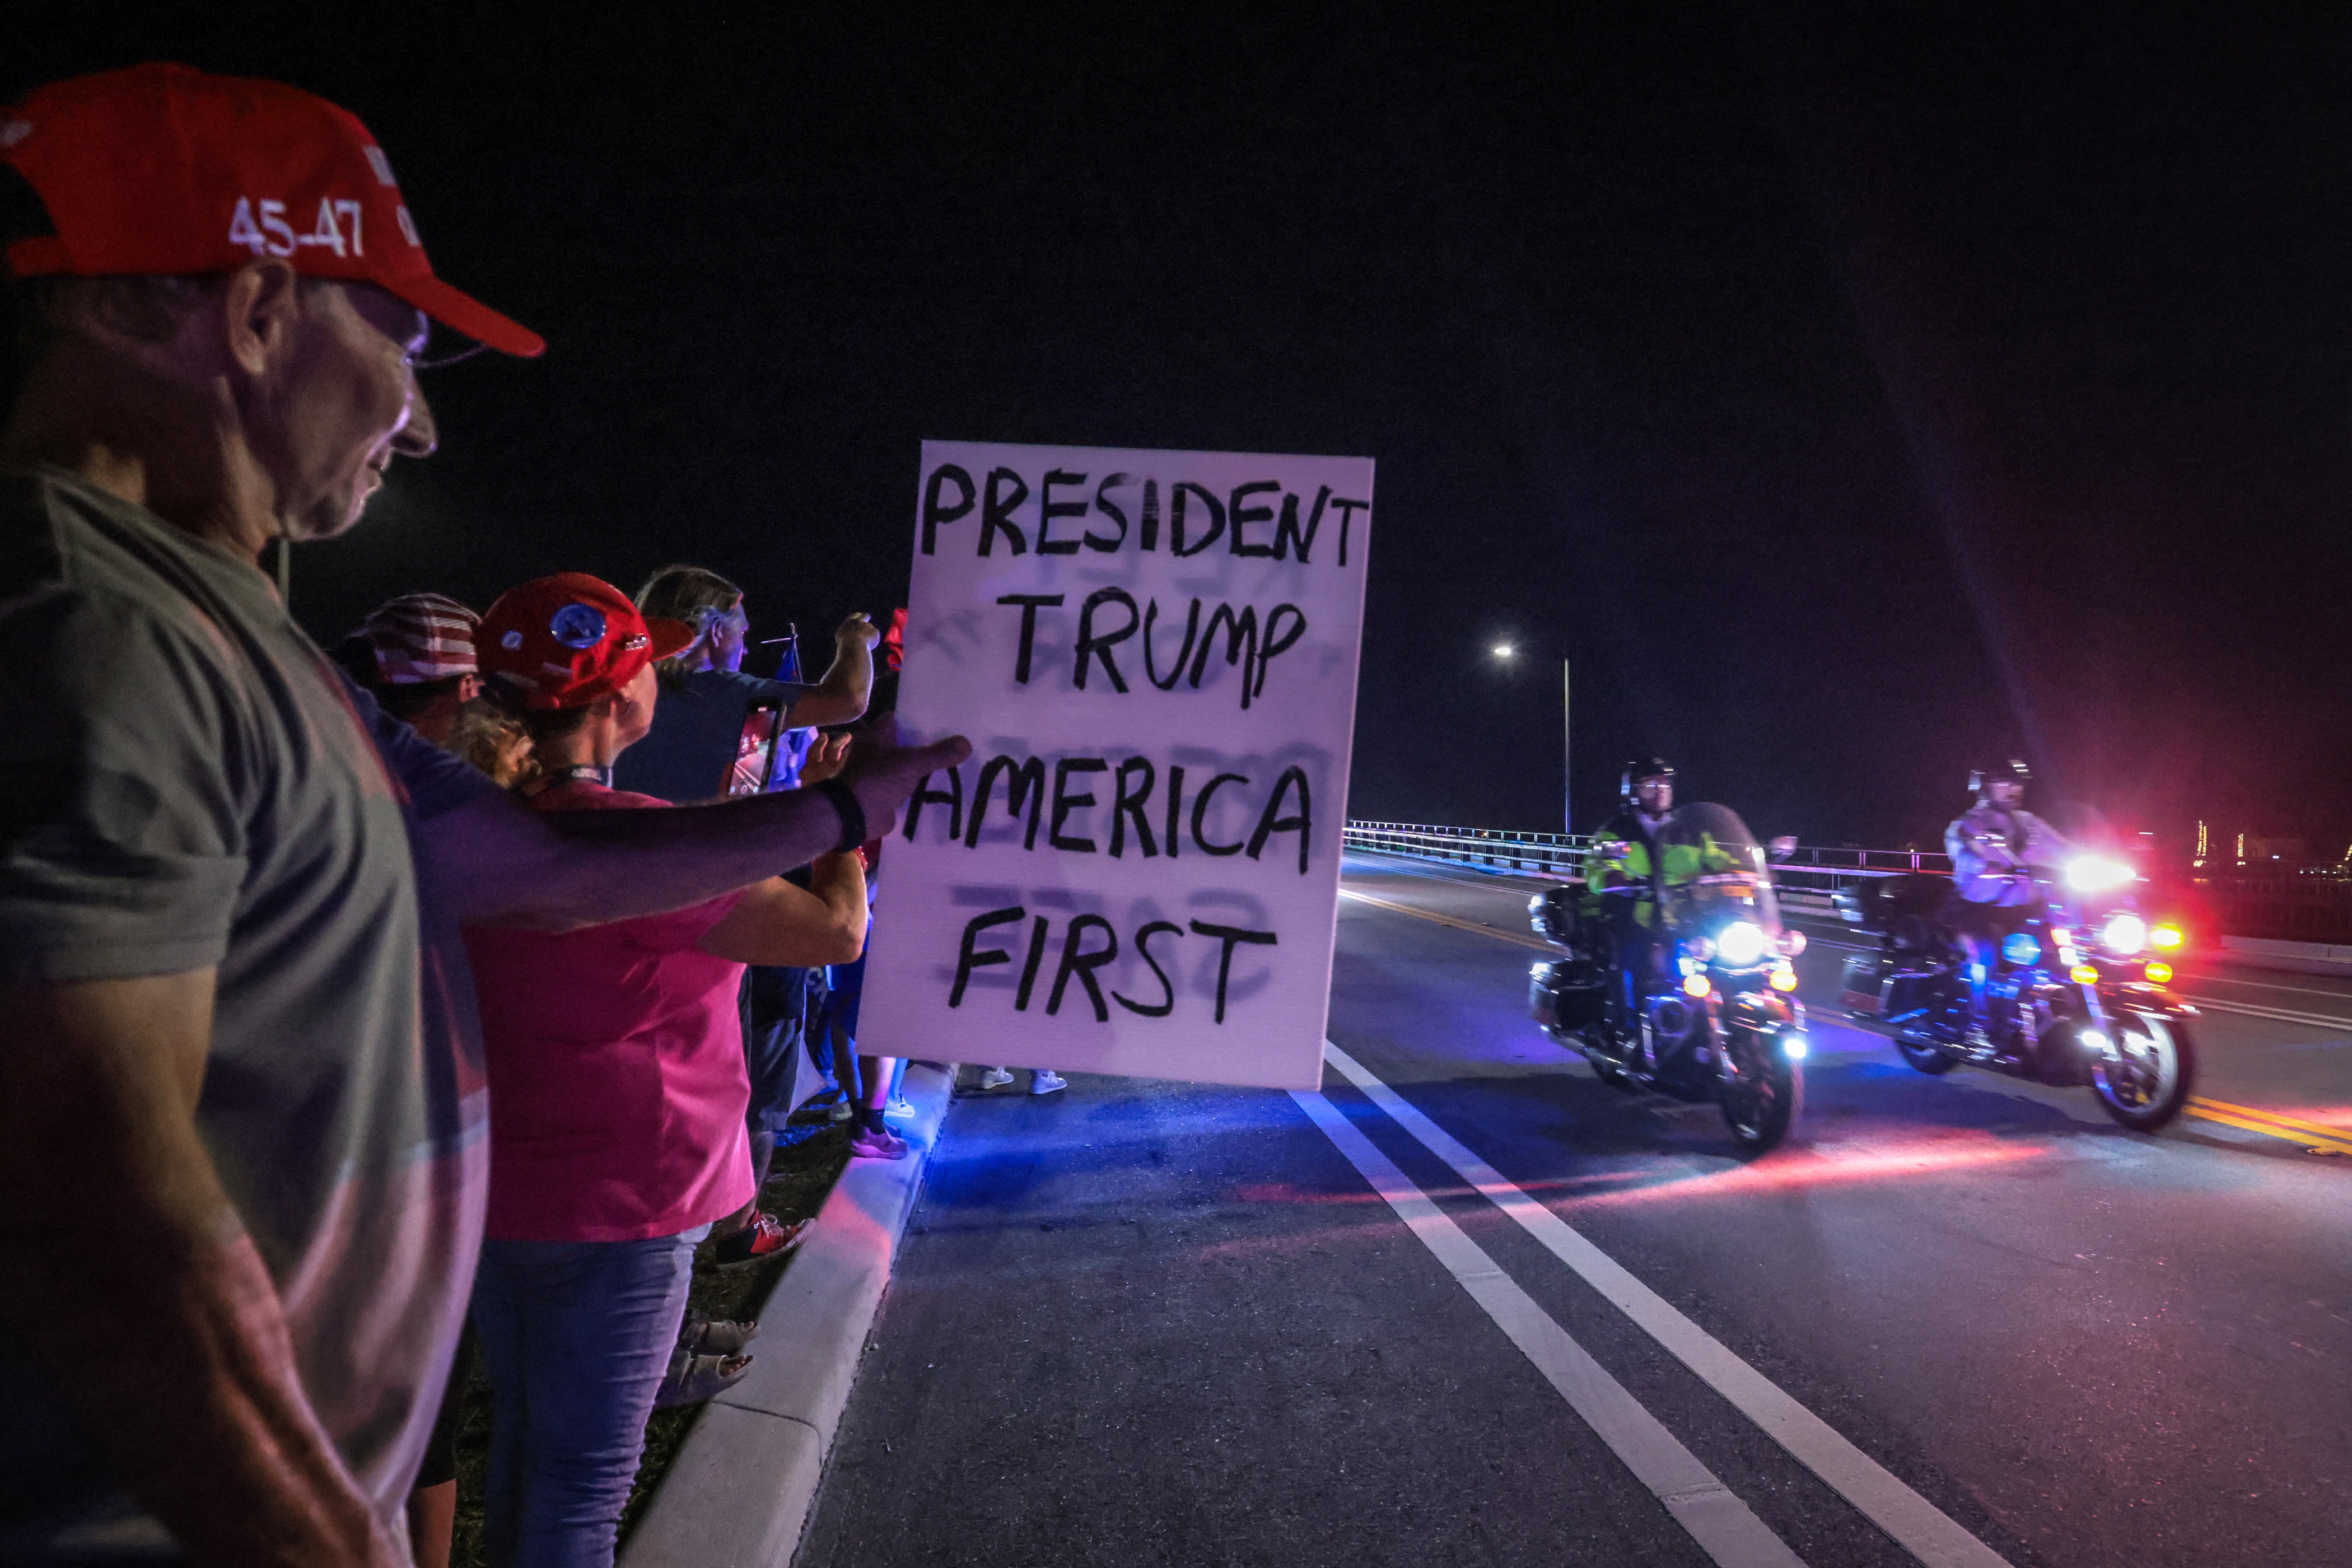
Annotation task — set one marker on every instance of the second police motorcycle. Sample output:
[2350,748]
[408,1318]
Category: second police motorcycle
[2074,994]
[1707,1013]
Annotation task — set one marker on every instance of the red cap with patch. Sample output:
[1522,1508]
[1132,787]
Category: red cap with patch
[165,169]
[572,639]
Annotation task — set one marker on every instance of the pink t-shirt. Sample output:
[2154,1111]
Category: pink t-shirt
[615,1060]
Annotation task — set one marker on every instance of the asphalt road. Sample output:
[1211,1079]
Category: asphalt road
[1471,1306]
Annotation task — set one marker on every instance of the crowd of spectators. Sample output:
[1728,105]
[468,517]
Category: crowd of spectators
[277,926]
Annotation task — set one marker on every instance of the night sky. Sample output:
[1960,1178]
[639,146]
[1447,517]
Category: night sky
[1847,399]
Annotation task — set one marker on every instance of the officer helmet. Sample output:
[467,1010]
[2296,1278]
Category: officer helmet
[2014,770]
[1641,768]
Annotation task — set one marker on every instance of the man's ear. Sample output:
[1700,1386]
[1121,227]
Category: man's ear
[259,309]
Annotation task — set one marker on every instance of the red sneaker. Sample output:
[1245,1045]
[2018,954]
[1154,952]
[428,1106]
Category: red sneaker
[765,1236]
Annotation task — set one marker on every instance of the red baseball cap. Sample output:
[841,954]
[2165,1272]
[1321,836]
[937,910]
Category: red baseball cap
[572,639]
[165,169]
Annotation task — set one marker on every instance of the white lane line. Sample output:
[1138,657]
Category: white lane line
[1722,1525]
[1918,1525]
[2311,1020]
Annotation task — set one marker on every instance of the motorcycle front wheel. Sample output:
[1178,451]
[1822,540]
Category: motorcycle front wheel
[2148,1081]
[1760,1091]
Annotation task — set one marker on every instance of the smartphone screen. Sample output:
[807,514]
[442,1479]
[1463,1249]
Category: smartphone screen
[755,752]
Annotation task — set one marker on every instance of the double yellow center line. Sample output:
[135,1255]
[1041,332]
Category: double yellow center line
[2316,1137]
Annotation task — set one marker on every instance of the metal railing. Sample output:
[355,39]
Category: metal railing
[2304,910]
[1807,879]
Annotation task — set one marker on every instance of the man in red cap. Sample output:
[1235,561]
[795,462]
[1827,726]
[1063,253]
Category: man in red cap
[242,1157]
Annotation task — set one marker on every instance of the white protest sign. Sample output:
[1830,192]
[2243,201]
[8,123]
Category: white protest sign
[1138,870]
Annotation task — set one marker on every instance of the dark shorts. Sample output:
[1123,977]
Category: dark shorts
[1986,923]
[776,1004]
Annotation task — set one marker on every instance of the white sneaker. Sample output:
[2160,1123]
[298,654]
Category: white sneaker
[995,1078]
[900,1108]
[1044,1081]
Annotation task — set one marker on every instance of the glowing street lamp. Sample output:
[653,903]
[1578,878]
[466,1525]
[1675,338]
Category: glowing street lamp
[1505,650]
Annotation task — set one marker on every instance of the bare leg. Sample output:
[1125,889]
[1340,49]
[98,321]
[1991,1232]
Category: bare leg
[432,1520]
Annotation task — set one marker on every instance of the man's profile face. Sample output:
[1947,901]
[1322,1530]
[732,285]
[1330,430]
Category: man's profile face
[345,400]
[2005,792]
[1655,794]
[727,634]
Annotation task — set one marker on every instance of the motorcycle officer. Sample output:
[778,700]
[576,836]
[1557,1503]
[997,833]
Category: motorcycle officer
[1622,868]
[1993,845]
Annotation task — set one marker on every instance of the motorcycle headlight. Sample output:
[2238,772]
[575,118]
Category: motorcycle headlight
[2098,874]
[2125,934]
[1741,944]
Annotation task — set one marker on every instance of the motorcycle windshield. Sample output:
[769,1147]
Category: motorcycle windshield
[1711,870]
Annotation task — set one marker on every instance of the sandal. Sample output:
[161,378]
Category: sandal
[691,1378]
[701,1334]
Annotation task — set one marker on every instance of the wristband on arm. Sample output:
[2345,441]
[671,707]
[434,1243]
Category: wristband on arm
[853,815]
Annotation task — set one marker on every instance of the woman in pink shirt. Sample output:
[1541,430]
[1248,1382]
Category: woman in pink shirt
[617,1091]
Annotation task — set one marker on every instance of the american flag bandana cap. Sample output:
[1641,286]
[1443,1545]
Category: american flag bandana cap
[421,636]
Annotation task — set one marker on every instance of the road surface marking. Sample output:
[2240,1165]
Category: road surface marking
[1915,1524]
[2336,1140]
[2309,1020]
[1723,1526]
[1455,922]
[2207,974]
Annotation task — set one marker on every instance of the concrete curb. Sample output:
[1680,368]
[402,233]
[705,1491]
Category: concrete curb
[740,1489]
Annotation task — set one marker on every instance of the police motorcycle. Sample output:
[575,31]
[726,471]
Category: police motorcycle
[2077,997]
[1718,1020]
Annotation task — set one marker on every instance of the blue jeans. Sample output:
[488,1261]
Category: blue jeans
[576,1336]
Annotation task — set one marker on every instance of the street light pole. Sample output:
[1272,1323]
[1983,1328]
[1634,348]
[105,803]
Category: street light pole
[1567,753]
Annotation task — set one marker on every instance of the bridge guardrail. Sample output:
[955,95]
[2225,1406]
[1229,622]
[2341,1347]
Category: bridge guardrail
[1807,879]
[2290,909]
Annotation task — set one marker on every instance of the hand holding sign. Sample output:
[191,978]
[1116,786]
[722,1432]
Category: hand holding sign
[1137,870]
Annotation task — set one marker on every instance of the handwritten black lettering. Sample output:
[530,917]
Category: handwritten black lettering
[1278,641]
[951,797]
[1077,961]
[1176,518]
[1127,805]
[1048,509]
[996,511]
[1104,504]
[1024,781]
[1270,821]
[1231,936]
[1240,644]
[971,956]
[1348,511]
[1167,1003]
[1201,816]
[1287,532]
[1092,646]
[1244,515]
[1037,929]
[1148,537]
[1175,805]
[1066,802]
[1191,630]
[1028,603]
[934,514]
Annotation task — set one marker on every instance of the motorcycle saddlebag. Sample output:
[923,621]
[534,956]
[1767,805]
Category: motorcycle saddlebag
[1565,994]
[1862,987]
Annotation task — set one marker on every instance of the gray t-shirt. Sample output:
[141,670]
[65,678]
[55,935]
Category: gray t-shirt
[186,781]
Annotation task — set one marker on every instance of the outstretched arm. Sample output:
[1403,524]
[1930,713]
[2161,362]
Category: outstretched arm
[776,922]
[840,696]
[499,863]
[174,1349]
